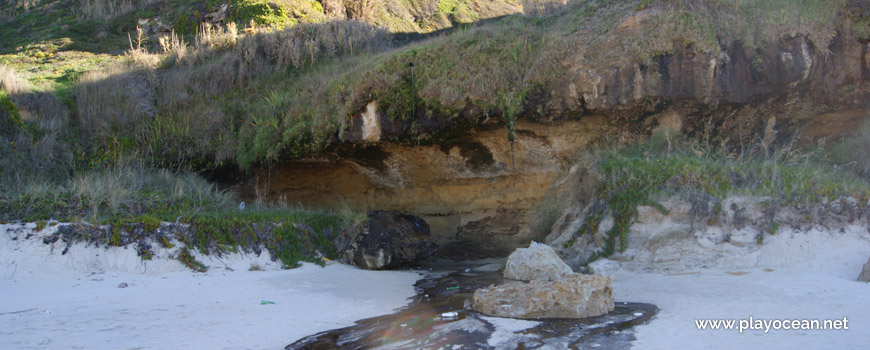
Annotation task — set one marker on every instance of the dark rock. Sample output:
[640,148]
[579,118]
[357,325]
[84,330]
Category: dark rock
[389,240]
[123,285]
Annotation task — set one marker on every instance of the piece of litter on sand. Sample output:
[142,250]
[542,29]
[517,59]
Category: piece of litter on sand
[768,270]
[449,316]
[452,288]
[264,302]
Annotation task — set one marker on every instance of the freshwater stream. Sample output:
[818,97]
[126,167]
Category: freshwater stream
[439,317]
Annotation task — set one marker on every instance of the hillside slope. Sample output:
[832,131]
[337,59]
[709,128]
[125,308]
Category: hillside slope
[294,92]
[500,106]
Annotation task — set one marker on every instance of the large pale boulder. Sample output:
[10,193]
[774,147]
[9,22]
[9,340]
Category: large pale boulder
[865,273]
[573,296]
[389,240]
[537,262]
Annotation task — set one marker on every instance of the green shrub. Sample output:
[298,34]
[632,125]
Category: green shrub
[10,118]
[447,6]
[182,24]
[166,243]
[260,12]
[632,175]
[115,238]
[150,222]
[188,260]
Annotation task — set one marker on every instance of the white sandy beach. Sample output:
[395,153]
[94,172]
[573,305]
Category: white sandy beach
[794,275]
[73,301]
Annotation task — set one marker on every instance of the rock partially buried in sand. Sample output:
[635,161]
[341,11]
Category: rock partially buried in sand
[537,262]
[865,273]
[389,240]
[573,296]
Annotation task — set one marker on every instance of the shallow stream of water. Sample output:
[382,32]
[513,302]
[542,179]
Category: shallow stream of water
[439,317]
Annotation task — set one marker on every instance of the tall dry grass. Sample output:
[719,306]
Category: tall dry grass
[181,125]
[135,187]
[39,107]
[124,189]
[36,150]
[852,151]
[11,82]
[305,44]
[114,99]
[40,171]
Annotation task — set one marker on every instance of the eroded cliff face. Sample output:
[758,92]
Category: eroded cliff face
[472,190]
[475,191]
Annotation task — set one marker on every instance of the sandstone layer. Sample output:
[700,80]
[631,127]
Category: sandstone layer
[473,190]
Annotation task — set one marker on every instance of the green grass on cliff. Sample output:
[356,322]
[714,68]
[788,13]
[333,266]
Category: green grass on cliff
[635,175]
[81,104]
[284,94]
[262,101]
[129,196]
[222,98]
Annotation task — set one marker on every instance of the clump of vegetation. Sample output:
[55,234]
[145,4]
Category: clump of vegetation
[115,239]
[190,107]
[150,222]
[34,146]
[458,11]
[290,235]
[119,191]
[158,110]
[633,175]
[262,13]
[10,118]
[146,254]
[166,243]
[186,258]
